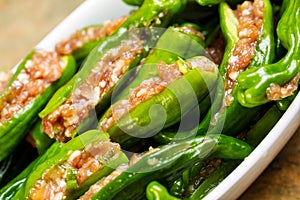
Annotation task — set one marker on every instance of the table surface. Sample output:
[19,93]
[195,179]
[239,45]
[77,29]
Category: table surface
[24,23]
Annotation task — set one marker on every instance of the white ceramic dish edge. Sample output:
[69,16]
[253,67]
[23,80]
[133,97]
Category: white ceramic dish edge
[96,11]
[246,173]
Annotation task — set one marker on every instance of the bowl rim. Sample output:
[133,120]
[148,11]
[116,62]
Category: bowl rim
[246,173]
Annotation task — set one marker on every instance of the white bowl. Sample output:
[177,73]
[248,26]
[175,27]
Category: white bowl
[98,11]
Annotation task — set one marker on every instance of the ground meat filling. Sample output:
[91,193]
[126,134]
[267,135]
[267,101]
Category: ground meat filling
[250,16]
[119,170]
[215,50]
[93,33]
[66,118]
[147,89]
[151,87]
[100,184]
[276,92]
[192,31]
[81,163]
[40,71]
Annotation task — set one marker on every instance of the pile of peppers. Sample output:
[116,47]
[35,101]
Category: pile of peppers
[202,84]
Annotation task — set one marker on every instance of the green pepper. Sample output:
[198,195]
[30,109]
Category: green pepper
[80,52]
[177,133]
[263,126]
[253,137]
[167,161]
[17,125]
[74,166]
[80,43]
[35,143]
[190,178]
[177,187]
[134,2]
[173,102]
[40,140]
[190,45]
[255,85]
[201,2]
[211,181]
[4,167]
[156,191]
[155,165]
[222,117]
[150,14]
[214,2]
[283,104]
[16,186]
[11,188]
[16,162]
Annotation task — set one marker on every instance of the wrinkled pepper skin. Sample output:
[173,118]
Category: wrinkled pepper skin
[169,159]
[156,191]
[150,14]
[253,137]
[166,51]
[253,84]
[176,100]
[18,125]
[11,189]
[59,153]
[16,187]
[214,179]
[182,186]
[224,120]
[263,126]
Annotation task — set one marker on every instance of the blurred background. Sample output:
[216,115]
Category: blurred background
[24,23]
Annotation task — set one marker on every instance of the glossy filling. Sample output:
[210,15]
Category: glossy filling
[94,189]
[104,181]
[80,166]
[276,92]
[146,90]
[250,16]
[151,87]
[40,71]
[62,122]
[93,33]
[215,50]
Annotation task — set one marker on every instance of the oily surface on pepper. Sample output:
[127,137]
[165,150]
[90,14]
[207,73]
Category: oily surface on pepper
[280,180]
